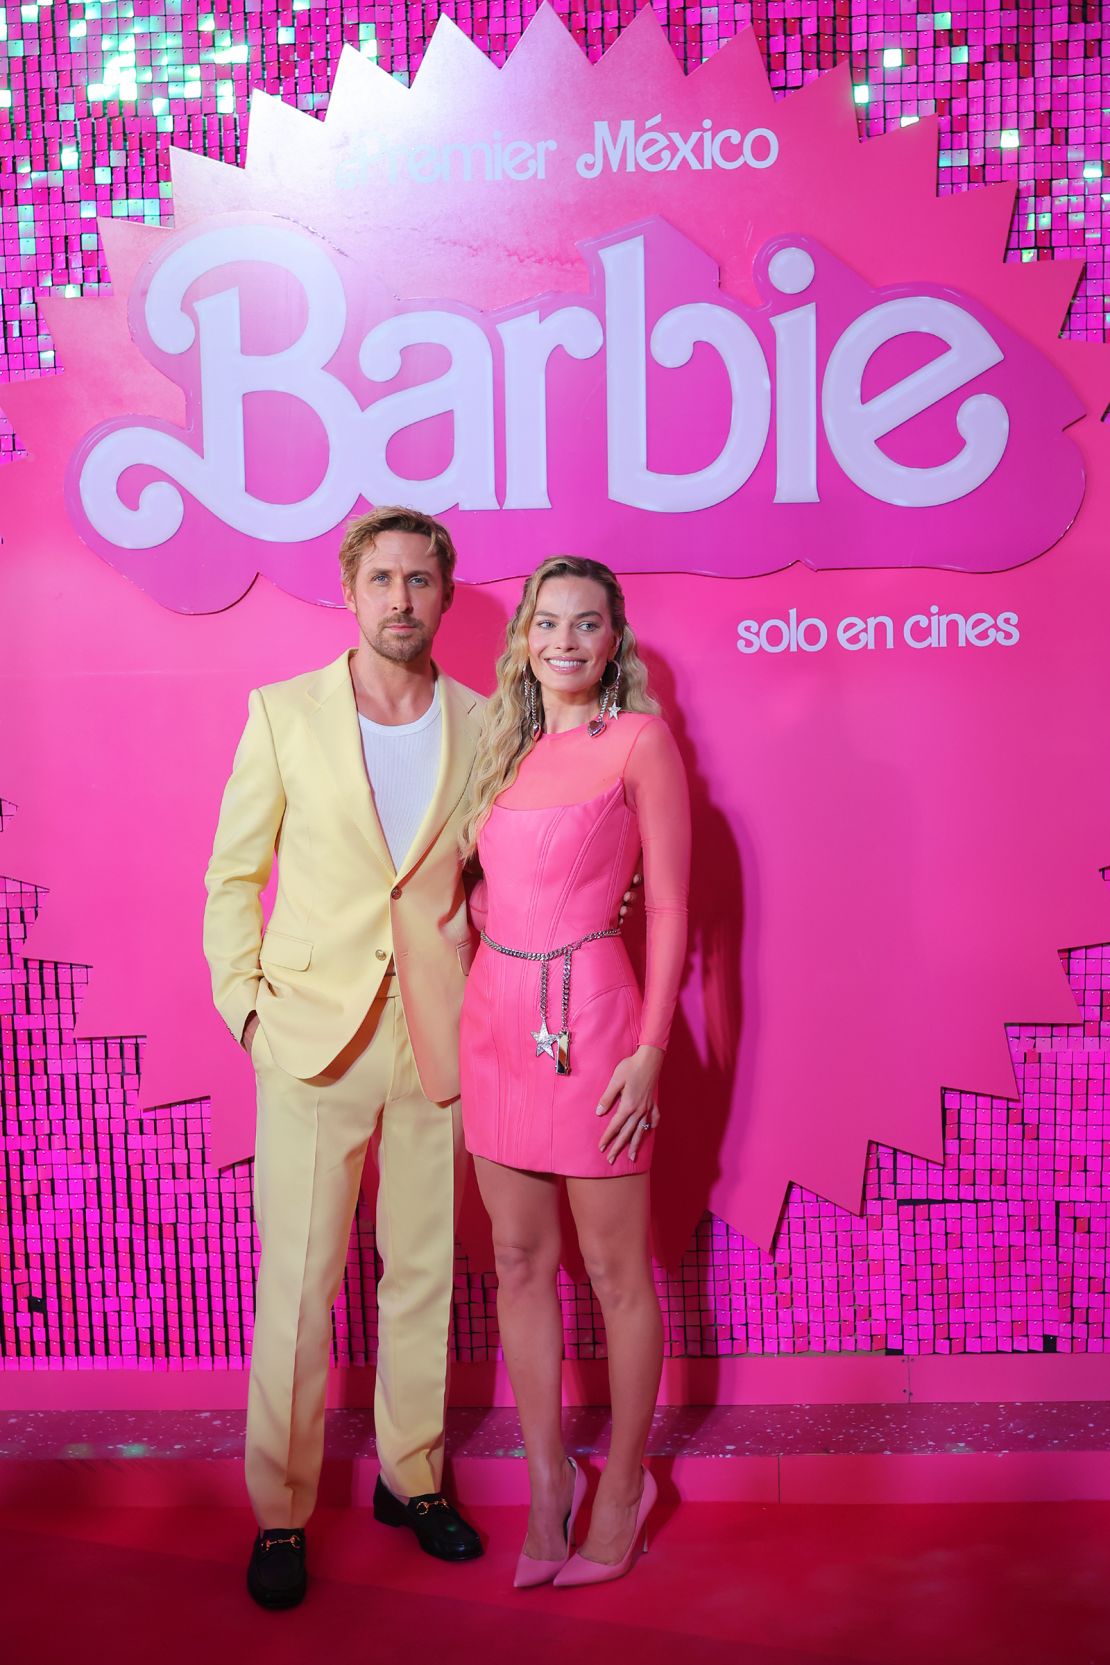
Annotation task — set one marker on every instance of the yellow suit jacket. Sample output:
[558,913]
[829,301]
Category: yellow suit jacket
[298,788]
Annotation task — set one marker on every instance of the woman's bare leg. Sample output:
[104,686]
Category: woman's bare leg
[524,1212]
[613,1221]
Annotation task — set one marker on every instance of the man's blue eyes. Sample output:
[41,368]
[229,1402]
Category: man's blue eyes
[383,577]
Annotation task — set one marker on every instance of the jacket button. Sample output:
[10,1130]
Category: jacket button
[395,892]
[381,954]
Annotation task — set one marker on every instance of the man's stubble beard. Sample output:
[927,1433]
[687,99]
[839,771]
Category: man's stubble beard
[400,651]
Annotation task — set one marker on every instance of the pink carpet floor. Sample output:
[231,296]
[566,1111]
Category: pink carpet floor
[966,1584]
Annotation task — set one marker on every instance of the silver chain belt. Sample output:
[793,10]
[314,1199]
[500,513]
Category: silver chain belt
[557,1046]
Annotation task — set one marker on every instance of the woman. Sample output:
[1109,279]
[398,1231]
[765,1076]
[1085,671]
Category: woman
[575,773]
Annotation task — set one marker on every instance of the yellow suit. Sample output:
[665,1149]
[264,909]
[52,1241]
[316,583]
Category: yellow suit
[357,982]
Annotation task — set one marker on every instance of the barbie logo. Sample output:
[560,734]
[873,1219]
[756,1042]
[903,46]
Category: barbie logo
[832,422]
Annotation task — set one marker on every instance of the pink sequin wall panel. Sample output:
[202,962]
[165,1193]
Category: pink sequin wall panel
[118,1246]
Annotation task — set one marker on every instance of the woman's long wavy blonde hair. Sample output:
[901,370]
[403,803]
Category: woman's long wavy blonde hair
[506,737]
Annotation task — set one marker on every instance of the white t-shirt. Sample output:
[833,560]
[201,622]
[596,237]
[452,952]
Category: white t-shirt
[402,762]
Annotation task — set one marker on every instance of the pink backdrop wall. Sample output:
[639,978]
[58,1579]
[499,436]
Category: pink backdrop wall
[984,1208]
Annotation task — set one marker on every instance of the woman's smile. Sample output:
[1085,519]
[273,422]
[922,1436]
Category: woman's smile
[570,610]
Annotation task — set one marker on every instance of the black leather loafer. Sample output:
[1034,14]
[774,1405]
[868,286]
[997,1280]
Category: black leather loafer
[276,1576]
[440,1529]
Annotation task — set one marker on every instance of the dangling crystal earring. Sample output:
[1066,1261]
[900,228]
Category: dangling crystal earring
[609,706]
[614,693]
[531,702]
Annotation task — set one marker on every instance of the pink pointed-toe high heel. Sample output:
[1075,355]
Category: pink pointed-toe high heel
[581,1570]
[529,1570]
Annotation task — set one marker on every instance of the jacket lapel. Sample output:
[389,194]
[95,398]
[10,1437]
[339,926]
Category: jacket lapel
[456,759]
[333,719]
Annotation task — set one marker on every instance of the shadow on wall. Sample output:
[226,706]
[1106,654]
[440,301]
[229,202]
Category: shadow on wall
[700,1073]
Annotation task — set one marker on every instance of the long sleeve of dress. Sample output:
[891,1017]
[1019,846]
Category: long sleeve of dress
[656,788]
[477,904]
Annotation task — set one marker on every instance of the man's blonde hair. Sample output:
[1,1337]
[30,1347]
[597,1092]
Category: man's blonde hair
[363,533]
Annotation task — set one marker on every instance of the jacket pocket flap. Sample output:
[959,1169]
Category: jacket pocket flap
[292,952]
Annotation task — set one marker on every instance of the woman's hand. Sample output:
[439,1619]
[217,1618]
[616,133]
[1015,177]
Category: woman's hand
[629,896]
[632,1089]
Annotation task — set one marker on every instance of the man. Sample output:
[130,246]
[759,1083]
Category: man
[348,1005]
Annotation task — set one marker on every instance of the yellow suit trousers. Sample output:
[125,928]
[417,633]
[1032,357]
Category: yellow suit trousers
[312,1143]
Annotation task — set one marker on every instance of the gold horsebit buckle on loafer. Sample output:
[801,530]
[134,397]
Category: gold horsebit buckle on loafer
[426,1505]
[272,1540]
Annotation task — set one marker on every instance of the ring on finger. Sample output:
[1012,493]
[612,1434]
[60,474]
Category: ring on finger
[645,1125]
